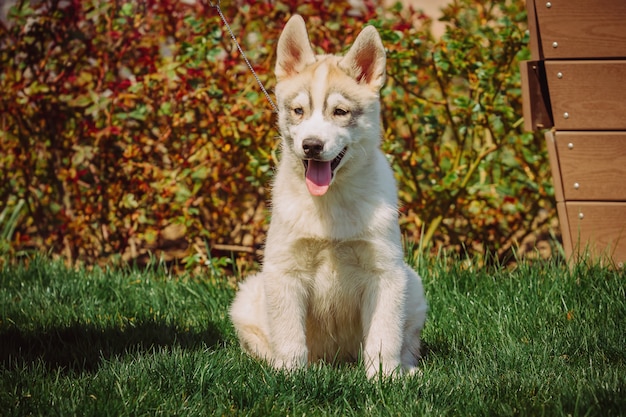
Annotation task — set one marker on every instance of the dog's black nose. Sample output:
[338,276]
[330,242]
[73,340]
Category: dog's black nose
[312,147]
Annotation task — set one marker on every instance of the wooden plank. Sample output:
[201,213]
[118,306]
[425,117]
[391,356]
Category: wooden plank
[592,165]
[598,229]
[582,28]
[535,98]
[533,28]
[587,95]
[553,155]
[566,237]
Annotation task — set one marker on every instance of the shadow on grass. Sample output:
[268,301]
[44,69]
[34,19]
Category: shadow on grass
[83,347]
[440,348]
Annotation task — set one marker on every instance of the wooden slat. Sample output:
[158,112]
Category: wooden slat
[533,28]
[588,95]
[599,229]
[593,165]
[568,244]
[581,28]
[554,166]
[535,100]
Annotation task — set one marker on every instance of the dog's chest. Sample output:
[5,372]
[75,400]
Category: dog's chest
[336,273]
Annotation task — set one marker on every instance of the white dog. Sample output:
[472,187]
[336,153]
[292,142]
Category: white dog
[334,284]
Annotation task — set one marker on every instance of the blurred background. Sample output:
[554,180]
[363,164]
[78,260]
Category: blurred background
[133,132]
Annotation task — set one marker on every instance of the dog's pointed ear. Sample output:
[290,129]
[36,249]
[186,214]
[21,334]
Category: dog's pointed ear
[294,51]
[366,61]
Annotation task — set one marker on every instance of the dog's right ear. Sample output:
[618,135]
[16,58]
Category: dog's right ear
[294,51]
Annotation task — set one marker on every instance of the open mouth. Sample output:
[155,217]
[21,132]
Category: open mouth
[333,164]
[319,174]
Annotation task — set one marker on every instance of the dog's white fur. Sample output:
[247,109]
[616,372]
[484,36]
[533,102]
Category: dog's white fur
[334,283]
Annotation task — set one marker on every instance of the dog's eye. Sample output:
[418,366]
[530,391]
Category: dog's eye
[298,111]
[340,112]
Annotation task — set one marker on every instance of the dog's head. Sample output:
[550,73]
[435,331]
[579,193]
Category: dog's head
[329,107]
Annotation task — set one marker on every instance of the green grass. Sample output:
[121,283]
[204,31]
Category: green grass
[538,340]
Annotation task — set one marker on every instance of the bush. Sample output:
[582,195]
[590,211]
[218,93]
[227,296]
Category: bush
[470,178]
[135,127]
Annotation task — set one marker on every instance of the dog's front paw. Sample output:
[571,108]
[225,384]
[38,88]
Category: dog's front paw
[290,360]
[413,371]
[386,368]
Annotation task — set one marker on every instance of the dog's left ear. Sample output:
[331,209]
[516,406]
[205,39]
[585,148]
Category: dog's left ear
[365,61]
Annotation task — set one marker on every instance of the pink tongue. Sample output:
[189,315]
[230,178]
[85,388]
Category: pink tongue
[318,176]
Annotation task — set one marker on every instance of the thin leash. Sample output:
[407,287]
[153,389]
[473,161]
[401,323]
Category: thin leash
[216,6]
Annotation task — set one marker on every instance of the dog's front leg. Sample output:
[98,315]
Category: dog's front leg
[383,319]
[286,306]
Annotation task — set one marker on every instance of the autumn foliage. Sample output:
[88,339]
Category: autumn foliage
[135,129]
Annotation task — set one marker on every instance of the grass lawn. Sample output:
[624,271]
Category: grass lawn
[538,340]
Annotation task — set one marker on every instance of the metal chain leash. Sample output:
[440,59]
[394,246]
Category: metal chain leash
[216,6]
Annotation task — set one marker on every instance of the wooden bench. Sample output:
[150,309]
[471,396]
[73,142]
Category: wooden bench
[575,86]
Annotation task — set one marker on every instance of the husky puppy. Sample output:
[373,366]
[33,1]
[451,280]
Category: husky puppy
[334,285]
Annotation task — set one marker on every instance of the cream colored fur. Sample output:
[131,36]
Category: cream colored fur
[334,285]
